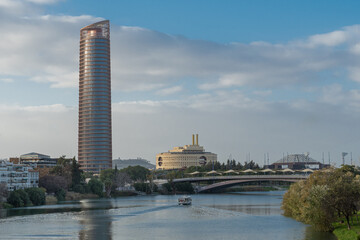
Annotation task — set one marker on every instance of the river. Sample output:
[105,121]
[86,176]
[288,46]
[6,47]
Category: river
[247,215]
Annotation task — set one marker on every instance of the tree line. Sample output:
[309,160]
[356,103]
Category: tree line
[325,197]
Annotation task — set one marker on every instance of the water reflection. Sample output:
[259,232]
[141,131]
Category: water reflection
[96,224]
[260,210]
[312,234]
[213,216]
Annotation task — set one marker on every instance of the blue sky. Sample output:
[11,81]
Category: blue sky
[275,21]
[248,76]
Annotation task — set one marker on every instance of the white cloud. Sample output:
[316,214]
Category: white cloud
[48,129]
[70,19]
[6,80]
[43,1]
[347,100]
[329,39]
[169,91]
[146,60]
[264,93]
[354,73]
[42,108]
[228,120]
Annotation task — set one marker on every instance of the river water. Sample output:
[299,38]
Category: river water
[250,215]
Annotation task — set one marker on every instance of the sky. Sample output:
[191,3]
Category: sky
[250,77]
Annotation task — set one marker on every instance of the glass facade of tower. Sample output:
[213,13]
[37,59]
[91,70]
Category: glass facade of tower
[95,139]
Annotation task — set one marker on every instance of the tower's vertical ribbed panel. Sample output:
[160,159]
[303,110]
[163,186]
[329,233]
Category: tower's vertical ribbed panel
[94,138]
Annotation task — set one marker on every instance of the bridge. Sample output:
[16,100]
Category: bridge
[228,181]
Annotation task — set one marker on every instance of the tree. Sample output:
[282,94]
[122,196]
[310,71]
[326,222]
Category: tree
[324,196]
[36,195]
[63,169]
[53,183]
[79,188]
[24,197]
[60,195]
[170,177]
[15,199]
[344,193]
[144,187]
[107,178]
[3,192]
[319,212]
[136,173]
[251,165]
[184,187]
[120,179]
[75,173]
[96,187]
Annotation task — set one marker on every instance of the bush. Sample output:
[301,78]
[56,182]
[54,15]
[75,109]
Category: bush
[145,187]
[180,187]
[96,187]
[79,188]
[184,187]
[155,188]
[36,195]
[141,187]
[60,195]
[24,197]
[167,186]
[15,199]
[7,205]
[87,188]
[136,173]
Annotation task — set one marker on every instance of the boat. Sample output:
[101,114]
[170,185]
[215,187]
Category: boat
[186,200]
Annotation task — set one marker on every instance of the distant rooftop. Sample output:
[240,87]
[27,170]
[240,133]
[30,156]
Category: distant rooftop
[34,155]
[296,158]
[124,163]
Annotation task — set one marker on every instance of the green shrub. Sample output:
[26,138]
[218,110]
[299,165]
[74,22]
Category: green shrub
[167,186]
[145,187]
[24,197]
[87,188]
[179,187]
[36,195]
[139,187]
[7,205]
[184,187]
[96,187]
[79,188]
[60,194]
[15,199]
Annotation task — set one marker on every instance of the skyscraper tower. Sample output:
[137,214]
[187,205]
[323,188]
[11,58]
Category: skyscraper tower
[94,138]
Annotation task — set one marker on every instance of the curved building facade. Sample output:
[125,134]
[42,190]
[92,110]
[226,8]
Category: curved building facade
[186,156]
[95,134]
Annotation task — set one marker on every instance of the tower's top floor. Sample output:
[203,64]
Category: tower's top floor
[96,30]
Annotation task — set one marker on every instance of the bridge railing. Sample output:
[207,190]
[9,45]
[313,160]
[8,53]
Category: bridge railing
[214,178]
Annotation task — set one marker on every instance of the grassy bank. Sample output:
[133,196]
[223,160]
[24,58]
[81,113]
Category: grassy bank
[342,233]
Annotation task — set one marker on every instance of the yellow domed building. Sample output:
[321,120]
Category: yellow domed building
[186,156]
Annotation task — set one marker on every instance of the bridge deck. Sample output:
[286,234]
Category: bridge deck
[227,181]
[243,177]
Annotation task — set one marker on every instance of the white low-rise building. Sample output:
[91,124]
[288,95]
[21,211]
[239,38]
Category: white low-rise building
[18,176]
[186,156]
